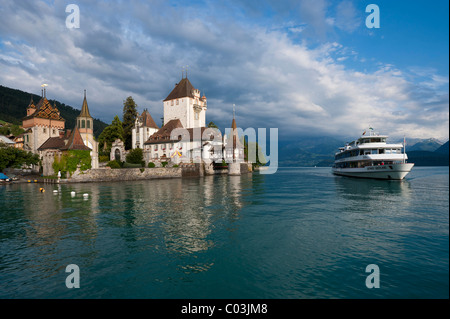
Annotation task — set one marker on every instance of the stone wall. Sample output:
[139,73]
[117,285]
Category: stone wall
[125,174]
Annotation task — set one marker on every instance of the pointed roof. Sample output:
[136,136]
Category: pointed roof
[31,105]
[85,108]
[147,120]
[46,111]
[182,89]
[75,142]
[234,136]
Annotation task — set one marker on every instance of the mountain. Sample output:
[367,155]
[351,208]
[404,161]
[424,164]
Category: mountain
[426,158]
[13,105]
[308,151]
[319,151]
[443,148]
[429,145]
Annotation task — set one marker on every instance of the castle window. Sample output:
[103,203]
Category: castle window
[177,101]
[196,115]
[88,124]
[83,123]
[54,131]
[44,130]
[171,103]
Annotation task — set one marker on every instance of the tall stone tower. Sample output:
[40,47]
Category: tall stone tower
[186,104]
[85,124]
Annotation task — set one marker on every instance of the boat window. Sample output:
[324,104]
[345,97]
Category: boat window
[374,151]
[388,151]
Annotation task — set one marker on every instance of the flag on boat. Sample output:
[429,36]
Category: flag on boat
[364,133]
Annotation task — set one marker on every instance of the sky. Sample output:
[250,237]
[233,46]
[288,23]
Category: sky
[306,67]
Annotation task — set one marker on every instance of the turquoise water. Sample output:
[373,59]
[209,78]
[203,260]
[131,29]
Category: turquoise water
[300,233]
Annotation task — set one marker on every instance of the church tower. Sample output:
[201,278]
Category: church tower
[85,124]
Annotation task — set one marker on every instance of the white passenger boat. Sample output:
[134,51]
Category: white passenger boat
[371,157]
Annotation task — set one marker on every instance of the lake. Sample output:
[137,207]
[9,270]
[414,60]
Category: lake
[298,234]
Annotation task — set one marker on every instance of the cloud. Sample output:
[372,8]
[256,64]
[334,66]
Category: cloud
[274,79]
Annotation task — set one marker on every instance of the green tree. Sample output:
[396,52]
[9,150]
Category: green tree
[110,134]
[14,157]
[128,120]
[135,156]
[70,161]
[213,125]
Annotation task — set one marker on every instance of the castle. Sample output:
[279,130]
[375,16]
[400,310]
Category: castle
[45,133]
[184,136]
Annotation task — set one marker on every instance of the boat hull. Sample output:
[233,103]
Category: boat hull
[391,171]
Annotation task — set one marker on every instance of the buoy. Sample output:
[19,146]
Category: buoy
[55,191]
[85,195]
[42,190]
[72,194]
[29,181]
[35,180]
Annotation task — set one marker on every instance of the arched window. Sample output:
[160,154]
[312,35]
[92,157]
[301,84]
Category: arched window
[83,123]
[88,124]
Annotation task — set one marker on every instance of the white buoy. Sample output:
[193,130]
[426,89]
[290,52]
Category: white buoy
[55,191]
[85,195]
[72,194]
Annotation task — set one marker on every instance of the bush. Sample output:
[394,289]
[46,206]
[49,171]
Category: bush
[135,156]
[113,164]
[164,164]
[176,165]
[151,165]
[131,165]
[103,158]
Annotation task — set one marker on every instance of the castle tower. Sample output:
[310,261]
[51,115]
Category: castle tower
[85,124]
[186,104]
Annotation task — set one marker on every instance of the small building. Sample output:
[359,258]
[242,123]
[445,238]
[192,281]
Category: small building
[6,141]
[54,147]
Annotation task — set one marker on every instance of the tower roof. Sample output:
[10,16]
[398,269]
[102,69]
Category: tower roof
[85,108]
[147,120]
[45,110]
[75,141]
[31,105]
[182,89]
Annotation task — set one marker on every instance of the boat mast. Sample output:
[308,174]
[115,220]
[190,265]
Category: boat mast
[404,149]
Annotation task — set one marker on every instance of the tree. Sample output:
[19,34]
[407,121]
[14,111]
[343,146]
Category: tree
[110,134]
[128,120]
[135,156]
[14,157]
[212,124]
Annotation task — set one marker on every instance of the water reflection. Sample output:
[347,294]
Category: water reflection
[177,217]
